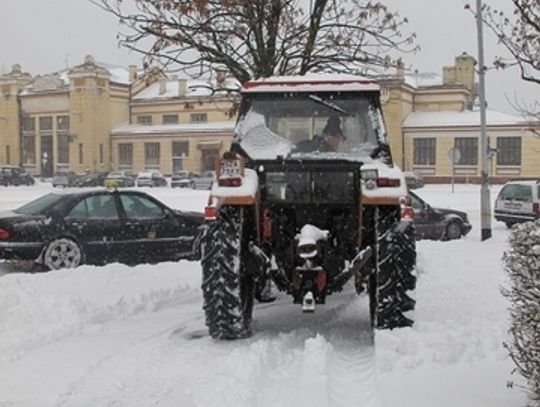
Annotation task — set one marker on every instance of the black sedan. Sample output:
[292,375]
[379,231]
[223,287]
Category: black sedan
[438,223]
[64,230]
[11,175]
[94,179]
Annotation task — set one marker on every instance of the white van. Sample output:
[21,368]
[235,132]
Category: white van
[518,201]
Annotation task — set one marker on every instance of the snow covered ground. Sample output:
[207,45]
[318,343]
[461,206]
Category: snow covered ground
[135,336]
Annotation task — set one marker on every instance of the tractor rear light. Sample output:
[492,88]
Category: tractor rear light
[210,212]
[536,207]
[4,234]
[230,182]
[267,225]
[407,213]
[388,182]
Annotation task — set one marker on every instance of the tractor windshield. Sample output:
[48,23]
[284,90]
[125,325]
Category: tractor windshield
[307,125]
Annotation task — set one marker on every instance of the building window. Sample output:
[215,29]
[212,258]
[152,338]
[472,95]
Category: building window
[125,154]
[81,154]
[29,150]
[424,151]
[45,123]
[8,155]
[63,148]
[28,124]
[509,151]
[62,123]
[144,120]
[468,147]
[151,155]
[170,119]
[198,117]
[101,154]
[180,148]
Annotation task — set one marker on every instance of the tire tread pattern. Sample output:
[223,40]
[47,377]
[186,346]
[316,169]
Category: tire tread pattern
[227,289]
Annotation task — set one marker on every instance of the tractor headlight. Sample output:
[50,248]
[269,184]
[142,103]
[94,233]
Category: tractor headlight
[372,174]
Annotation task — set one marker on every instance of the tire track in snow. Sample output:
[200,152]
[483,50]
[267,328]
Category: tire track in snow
[323,360]
[134,369]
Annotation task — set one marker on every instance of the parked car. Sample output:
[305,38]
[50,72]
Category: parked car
[518,202]
[204,180]
[11,175]
[183,179]
[118,179]
[64,230]
[413,179]
[94,179]
[64,179]
[437,223]
[151,179]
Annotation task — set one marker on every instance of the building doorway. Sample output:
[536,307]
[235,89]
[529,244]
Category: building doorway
[177,165]
[208,159]
[47,157]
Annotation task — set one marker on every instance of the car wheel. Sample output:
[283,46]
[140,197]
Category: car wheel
[62,253]
[453,231]
[509,224]
[192,185]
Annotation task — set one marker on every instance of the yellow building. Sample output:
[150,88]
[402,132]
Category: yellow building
[96,117]
[100,117]
[428,116]
[174,124]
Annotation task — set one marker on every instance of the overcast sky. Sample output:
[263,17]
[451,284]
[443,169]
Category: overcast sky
[46,35]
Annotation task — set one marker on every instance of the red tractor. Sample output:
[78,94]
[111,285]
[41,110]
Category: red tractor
[307,198]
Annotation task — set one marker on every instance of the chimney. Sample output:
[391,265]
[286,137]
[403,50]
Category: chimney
[132,73]
[182,87]
[400,69]
[162,86]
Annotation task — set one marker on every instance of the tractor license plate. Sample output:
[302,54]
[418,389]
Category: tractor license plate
[231,168]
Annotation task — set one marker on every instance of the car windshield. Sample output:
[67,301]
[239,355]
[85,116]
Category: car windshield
[181,175]
[517,192]
[36,206]
[279,124]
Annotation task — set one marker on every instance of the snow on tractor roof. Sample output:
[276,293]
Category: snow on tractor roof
[311,83]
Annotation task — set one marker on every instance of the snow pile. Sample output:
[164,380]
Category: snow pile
[43,308]
[522,262]
[136,337]
[460,316]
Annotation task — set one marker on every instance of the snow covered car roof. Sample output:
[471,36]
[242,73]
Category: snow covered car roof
[311,83]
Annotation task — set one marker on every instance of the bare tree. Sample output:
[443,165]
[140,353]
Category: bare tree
[519,33]
[261,38]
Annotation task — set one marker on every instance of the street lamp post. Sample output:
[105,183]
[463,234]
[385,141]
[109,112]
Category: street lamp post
[485,205]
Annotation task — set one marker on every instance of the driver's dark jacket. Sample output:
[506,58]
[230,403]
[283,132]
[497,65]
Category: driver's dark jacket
[316,144]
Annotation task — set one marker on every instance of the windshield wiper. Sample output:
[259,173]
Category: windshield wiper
[331,105]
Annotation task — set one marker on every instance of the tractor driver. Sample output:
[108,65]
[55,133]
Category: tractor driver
[329,141]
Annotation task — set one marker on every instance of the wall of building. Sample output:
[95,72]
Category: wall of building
[395,110]
[9,123]
[191,162]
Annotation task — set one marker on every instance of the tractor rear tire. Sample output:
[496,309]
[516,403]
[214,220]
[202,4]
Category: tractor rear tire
[228,286]
[395,258]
